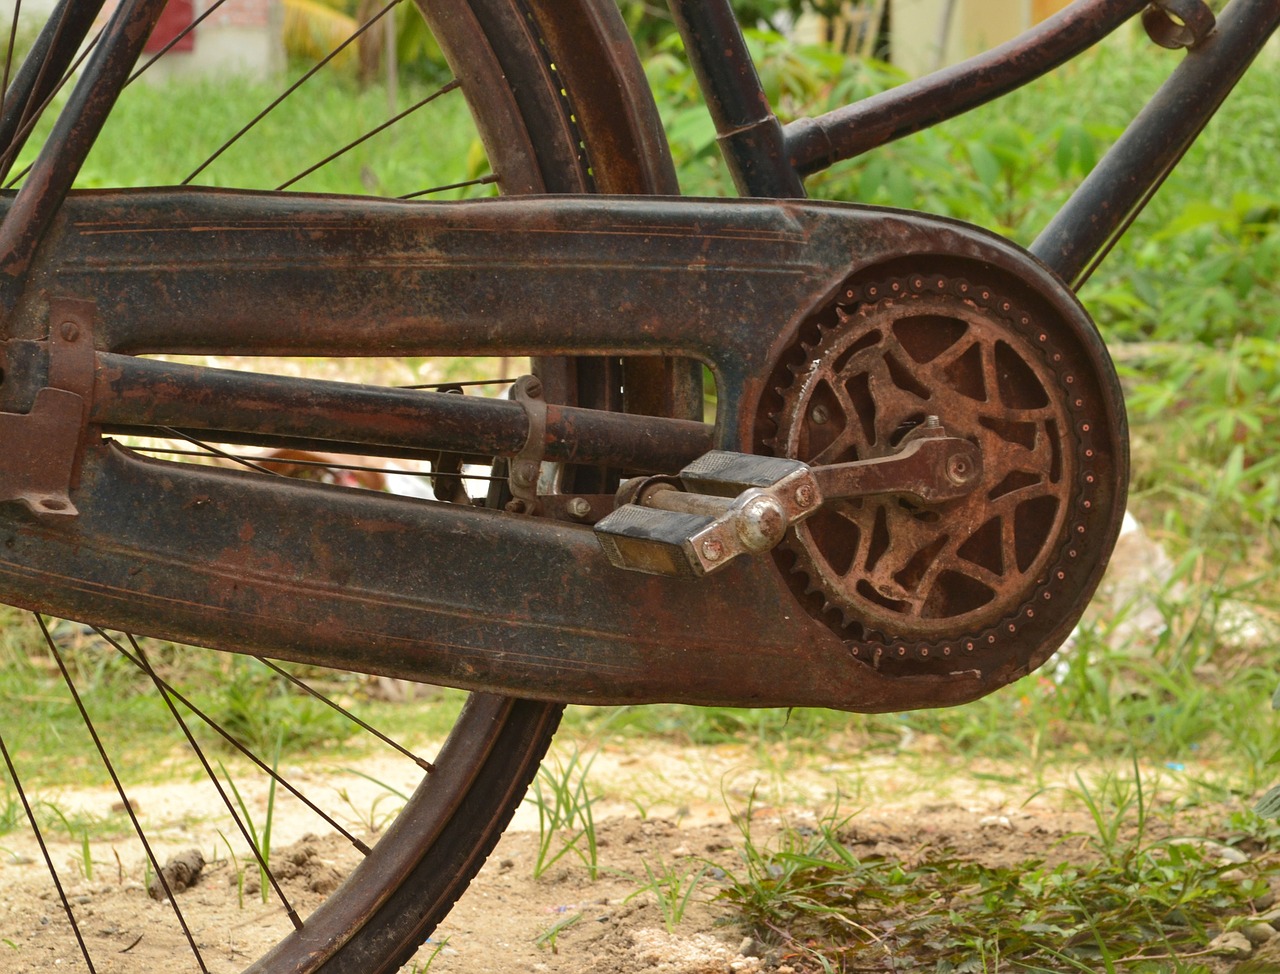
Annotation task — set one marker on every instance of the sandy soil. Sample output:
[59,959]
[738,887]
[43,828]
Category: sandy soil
[659,804]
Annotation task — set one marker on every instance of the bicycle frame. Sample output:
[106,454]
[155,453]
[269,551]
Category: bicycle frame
[768,160]
[332,577]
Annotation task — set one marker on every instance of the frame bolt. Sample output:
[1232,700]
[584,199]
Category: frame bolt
[579,507]
[523,474]
[70,331]
[533,387]
[712,550]
[820,415]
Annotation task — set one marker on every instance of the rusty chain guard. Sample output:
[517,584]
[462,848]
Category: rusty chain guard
[1008,568]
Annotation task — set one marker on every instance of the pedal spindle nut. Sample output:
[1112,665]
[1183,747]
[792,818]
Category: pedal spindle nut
[761,523]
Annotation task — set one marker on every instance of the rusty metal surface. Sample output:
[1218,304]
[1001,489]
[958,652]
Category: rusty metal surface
[474,598]
[131,394]
[749,134]
[984,570]
[928,469]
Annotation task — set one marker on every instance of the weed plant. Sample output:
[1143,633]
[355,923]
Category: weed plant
[826,905]
[672,886]
[261,838]
[566,822]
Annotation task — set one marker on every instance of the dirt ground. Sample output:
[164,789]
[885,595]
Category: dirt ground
[659,804]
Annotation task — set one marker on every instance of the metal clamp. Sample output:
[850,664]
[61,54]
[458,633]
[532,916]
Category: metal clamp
[39,449]
[526,466]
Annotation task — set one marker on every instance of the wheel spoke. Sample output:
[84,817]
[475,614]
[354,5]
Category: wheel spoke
[174,40]
[478,181]
[453,85]
[44,852]
[421,762]
[308,75]
[217,784]
[31,118]
[128,806]
[233,742]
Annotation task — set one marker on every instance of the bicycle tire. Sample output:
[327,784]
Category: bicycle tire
[541,137]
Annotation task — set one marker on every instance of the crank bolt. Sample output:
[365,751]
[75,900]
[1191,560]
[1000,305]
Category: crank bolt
[959,471]
[712,550]
[820,415]
[579,507]
[523,475]
[70,331]
[805,496]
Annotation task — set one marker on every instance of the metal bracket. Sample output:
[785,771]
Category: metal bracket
[526,466]
[1176,24]
[39,450]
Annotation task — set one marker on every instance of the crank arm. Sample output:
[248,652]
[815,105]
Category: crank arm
[665,529]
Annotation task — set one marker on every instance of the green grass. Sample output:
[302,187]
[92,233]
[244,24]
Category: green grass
[1143,895]
[159,134]
[256,706]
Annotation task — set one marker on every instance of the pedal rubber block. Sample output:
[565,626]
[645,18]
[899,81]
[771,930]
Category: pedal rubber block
[727,474]
[642,539]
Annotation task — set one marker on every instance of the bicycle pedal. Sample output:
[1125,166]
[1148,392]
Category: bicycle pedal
[731,504]
[723,473]
[654,542]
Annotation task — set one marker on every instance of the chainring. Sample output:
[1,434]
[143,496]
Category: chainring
[1004,572]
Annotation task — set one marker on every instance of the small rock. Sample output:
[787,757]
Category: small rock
[1223,853]
[1232,944]
[180,872]
[750,947]
[1258,933]
[1001,821]
[681,852]
[506,864]
[1264,902]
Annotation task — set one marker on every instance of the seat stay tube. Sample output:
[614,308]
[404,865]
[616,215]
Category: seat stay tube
[73,135]
[749,134]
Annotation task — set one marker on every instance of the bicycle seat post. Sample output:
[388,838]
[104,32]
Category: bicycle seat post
[749,134]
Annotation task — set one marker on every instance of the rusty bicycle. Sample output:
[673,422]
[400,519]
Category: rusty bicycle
[914,476]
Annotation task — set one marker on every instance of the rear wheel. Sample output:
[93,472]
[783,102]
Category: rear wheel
[557,109]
